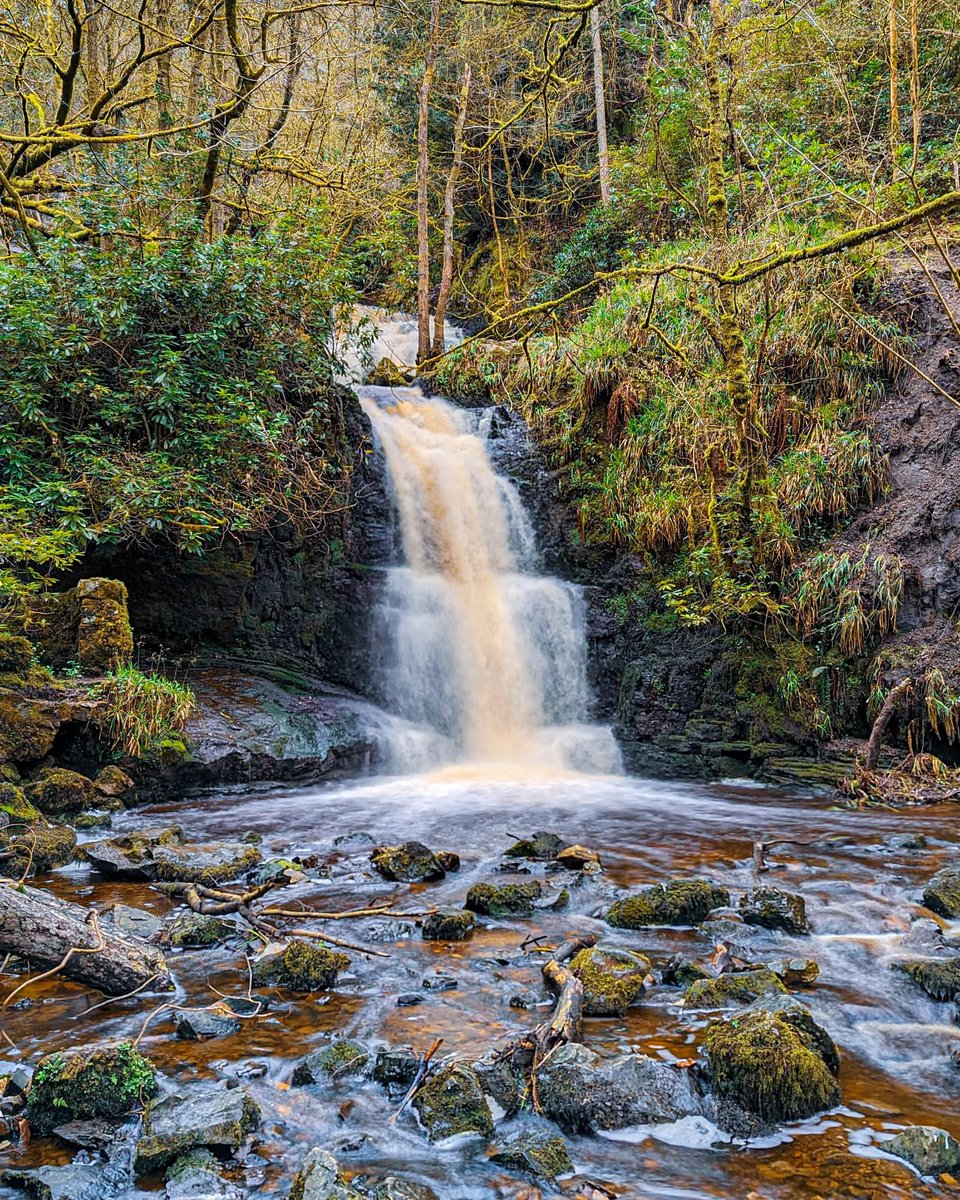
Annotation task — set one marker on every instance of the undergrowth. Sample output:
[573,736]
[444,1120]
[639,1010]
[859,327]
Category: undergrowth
[136,712]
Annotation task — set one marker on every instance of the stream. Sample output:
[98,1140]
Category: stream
[483,670]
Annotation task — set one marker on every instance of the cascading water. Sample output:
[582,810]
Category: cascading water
[481,649]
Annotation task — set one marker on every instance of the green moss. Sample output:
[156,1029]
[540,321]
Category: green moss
[773,909]
[299,966]
[771,1065]
[41,848]
[104,636]
[544,1158]
[734,989]
[197,931]
[448,925]
[542,846]
[16,654]
[939,978]
[503,900]
[942,893]
[27,727]
[340,1058]
[679,902]
[612,979]
[453,1102]
[98,1081]
[411,862]
[60,791]
[14,803]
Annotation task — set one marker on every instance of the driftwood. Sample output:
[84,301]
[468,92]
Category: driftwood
[68,940]
[564,1025]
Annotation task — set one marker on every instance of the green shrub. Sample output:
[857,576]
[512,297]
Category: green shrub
[138,712]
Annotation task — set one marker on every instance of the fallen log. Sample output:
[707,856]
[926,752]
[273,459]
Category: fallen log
[564,1025]
[67,939]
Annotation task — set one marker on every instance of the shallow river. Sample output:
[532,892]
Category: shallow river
[861,886]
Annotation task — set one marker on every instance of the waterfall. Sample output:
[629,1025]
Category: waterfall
[479,648]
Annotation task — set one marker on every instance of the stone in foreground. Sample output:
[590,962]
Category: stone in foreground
[453,1102]
[612,979]
[411,862]
[771,908]
[319,1179]
[541,1157]
[942,893]
[210,1116]
[299,966]
[679,902]
[736,988]
[448,925]
[930,1150]
[503,900]
[107,1080]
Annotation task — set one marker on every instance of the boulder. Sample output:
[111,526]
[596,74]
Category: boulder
[130,856]
[111,781]
[411,862]
[772,909]
[585,1093]
[341,1058]
[941,895]
[40,848]
[105,1080]
[734,989]
[59,791]
[77,1181]
[939,977]
[196,1175]
[388,374]
[771,1062]
[929,1150]
[452,1101]
[448,925]
[319,1178]
[795,972]
[104,636]
[575,858]
[298,965]
[198,931]
[503,900]
[540,846]
[528,1154]
[210,1116]
[16,806]
[612,979]
[396,1066]
[679,902]
[27,727]
[136,921]
[210,863]
[202,1024]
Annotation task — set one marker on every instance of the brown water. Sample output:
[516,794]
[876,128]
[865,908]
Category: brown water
[861,894]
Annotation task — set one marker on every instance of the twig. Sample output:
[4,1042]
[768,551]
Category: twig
[418,1081]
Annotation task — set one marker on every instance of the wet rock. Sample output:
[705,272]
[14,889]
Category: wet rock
[924,937]
[772,909]
[319,1178]
[585,1093]
[540,846]
[906,841]
[276,869]
[104,636]
[526,998]
[16,806]
[105,1080]
[209,864]
[27,727]
[393,1188]
[388,931]
[388,374]
[448,925]
[202,1024]
[411,862]
[137,921]
[499,1080]
[130,856]
[111,781]
[78,1181]
[96,1134]
[930,1150]
[59,791]
[396,1066]
[681,972]
[541,1157]
[409,1000]
[575,858]
[41,848]
[14,1078]
[795,972]
[734,989]
[942,893]
[452,1101]
[341,1058]
[503,900]
[210,1116]
[939,977]
[298,965]
[198,931]
[448,860]
[439,983]
[771,1062]
[679,902]
[554,903]
[196,1175]
[612,979]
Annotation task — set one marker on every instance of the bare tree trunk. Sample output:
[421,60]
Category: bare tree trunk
[603,152]
[446,276]
[894,89]
[423,170]
[914,83]
[884,717]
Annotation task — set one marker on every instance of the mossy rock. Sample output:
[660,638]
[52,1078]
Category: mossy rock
[14,802]
[104,636]
[453,1102]
[341,1058]
[939,977]
[795,972]
[198,931]
[411,862]
[111,781]
[738,988]
[320,1178]
[503,900]
[772,1062]
[540,846]
[942,893]
[41,848]
[299,966]
[679,902]
[107,1080]
[771,908]
[448,925]
[207,863]
[60,791]
[210,1115]
[543,1158]
[27,727]
[931,1151]
[388,374]
[612,979]
[16,654]
[51,624]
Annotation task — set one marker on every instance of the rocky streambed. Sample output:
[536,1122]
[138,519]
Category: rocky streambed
[768,997]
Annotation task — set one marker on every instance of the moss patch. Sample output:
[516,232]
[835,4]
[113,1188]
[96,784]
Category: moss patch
[104,636]
[16,654]
[299,966]
[773,909]
[738,988]
[612,979]
[342,1057]
[97,1081]
[27,727]
[60,791]
[448,925]
[41,848]
[939,978]
[503,900]
[679,902]
[942,893]
[14,803]
[453,1102]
